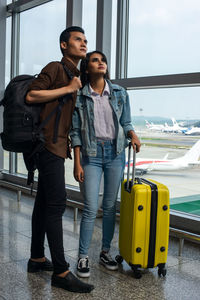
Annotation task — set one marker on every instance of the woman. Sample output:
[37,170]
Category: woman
[101,127]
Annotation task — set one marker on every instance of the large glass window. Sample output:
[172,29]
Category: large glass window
[39,43]
[163,37]
[163,119]
[40,29]
[89,22]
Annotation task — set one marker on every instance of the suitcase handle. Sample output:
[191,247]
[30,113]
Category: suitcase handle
[133,169]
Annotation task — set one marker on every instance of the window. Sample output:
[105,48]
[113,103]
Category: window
[163,37]
[40,29]
[166,139]
[89,22]
[39,44]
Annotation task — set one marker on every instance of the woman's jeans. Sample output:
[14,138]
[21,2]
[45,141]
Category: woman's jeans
[112,166]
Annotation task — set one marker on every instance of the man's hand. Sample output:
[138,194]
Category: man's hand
[75,84]
[134,141]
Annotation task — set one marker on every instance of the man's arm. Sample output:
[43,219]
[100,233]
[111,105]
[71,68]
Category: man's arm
[41,96]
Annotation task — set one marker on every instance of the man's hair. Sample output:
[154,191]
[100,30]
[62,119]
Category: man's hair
[65,35]
[85,78]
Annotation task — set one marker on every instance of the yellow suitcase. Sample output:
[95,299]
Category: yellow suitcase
[144,223]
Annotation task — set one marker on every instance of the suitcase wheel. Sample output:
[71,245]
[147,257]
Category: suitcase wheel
[162,271]
[137,273]
[119,259]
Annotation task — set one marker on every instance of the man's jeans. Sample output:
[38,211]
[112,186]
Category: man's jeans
[112,166]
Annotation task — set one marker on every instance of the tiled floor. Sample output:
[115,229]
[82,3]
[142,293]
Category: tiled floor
[182,280]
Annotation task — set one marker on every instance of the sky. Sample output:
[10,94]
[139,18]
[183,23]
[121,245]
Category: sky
[163,39]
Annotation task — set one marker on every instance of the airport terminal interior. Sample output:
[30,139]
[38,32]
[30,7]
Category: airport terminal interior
[153,52]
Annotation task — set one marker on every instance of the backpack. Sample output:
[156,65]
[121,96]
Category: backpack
[22,130]
[20,120]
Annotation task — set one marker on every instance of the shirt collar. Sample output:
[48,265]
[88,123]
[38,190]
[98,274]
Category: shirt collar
[106,90]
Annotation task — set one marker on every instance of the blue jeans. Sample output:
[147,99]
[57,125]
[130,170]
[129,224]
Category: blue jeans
[112,166]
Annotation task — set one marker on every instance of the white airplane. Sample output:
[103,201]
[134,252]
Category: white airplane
[190,159]
[176,128]
[193,131]
[155,127]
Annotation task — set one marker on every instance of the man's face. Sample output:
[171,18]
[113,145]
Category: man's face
[76,47]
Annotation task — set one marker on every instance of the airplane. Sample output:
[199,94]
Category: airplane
[193,131]
[152,126]
[176,128]
[188,160]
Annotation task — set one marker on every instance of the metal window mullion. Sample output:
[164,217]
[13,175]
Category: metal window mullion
[162,81]
[122,39]
[15,38]
[22,5]
[74,12]
[2,64]
[15,41]
[104,28]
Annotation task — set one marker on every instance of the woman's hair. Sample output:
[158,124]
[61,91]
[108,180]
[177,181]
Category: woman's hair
[85,77]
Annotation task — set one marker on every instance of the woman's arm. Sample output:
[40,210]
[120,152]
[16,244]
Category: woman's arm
[127,125]
[78,170]
[134,140]
[41,96]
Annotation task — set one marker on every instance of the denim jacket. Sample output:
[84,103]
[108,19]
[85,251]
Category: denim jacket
[83,133]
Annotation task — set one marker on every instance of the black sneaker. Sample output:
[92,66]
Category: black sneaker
[107,261]
[83,269]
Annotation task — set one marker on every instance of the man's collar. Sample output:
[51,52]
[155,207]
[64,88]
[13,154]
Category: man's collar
[71,66]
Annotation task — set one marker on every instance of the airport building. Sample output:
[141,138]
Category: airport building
[153,50]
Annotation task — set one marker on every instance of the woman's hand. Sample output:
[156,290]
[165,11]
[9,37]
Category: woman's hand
[134,141]
[78,173]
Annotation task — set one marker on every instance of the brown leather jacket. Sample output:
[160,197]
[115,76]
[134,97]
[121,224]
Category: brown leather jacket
[52,77]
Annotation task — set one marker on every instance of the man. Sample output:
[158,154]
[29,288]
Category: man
[53,83]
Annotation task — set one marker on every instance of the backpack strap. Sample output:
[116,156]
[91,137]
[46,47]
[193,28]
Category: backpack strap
[67,71]
[61,100]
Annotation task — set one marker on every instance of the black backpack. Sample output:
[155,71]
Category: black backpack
[22,130]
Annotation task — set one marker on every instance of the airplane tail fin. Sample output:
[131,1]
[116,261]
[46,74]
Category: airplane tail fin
[147,124]
[174,121]
[193,154]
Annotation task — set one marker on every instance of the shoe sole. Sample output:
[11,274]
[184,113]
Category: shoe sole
[64,288]
[83,275]
[110,268]
[39,270]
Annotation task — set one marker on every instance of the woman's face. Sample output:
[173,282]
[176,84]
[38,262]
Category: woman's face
[96,65]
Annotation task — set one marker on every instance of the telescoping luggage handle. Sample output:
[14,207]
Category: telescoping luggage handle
[130,184]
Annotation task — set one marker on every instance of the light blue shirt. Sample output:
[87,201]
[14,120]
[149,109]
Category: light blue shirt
[103,114]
